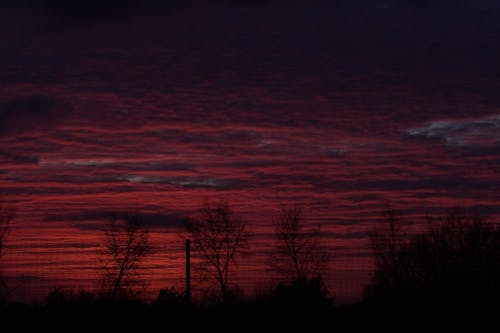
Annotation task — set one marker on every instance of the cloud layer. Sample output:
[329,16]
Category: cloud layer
[338,110]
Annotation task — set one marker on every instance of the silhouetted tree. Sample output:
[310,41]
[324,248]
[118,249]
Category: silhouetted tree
[6,216]
[219,234]
[126,245]
[387,242]
[298,253]
[455,260]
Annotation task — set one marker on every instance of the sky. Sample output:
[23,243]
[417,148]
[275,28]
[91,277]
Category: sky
[337,106]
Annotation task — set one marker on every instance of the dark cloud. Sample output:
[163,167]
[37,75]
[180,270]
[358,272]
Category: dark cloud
[445,183]
[68,245]
[96,10]
[29,113]
[90,10]
[64,177]
[85,11]
[345,235]
[165,221]
[365,197]
[96,219]
[88,226]
[88,215]
[15,158]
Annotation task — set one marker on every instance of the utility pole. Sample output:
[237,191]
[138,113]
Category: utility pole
[188,270]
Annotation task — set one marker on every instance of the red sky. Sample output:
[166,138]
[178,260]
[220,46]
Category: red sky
[338,108]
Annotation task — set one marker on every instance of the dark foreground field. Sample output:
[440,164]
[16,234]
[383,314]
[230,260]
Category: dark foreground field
[250,317]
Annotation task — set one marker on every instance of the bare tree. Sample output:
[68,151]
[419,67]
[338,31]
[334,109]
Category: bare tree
[126,245]
[298,252]
[6,216]
[387,241]
[219,234]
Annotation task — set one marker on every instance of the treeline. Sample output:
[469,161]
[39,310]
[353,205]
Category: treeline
[218,236]
[453,262]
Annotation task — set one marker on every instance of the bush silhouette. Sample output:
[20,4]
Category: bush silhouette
[60,298]
[170,298]
[302,293]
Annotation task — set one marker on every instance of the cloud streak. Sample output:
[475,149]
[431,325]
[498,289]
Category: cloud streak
[469,132]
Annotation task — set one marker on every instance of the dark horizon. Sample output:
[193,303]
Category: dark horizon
[337,106]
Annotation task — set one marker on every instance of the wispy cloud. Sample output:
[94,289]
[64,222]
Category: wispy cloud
[468,132]
[149,164]
[188,182]
[336,152]
[83,162]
